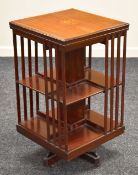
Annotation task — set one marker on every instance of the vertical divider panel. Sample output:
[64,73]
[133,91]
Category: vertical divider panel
[46,92]
[30,75]
[57,94]
[36,72]
[123,79]
[52,93]
[106,87]
[117,82]
[16,77]
[64,99]
[112,84]
[23,77]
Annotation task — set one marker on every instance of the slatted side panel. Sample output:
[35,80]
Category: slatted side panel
[23,70]
[114,80]
[26,65]
[117,81]
[56,127]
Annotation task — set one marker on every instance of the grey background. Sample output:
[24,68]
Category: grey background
[18,155]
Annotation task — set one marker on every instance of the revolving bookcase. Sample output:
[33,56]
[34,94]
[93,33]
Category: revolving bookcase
[67,125]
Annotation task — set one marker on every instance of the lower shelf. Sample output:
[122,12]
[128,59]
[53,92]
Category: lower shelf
[77,138]
[97,118]
[80,140]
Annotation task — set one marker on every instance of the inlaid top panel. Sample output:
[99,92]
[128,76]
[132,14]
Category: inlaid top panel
[68,24]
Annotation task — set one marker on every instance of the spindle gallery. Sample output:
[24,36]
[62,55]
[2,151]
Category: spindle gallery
[68,126]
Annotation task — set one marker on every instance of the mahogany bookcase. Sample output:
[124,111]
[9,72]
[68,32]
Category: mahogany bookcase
[67,125]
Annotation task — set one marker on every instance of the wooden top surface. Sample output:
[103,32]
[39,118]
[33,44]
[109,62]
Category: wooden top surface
[68,24]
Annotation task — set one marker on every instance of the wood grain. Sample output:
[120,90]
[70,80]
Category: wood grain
[68,24]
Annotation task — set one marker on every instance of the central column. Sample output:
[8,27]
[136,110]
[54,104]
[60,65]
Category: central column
[74,65]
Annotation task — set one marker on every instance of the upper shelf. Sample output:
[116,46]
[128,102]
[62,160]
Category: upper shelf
[36,83]
[98,78]
[73,94]
[80,92]
[93,76]
[68,25]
